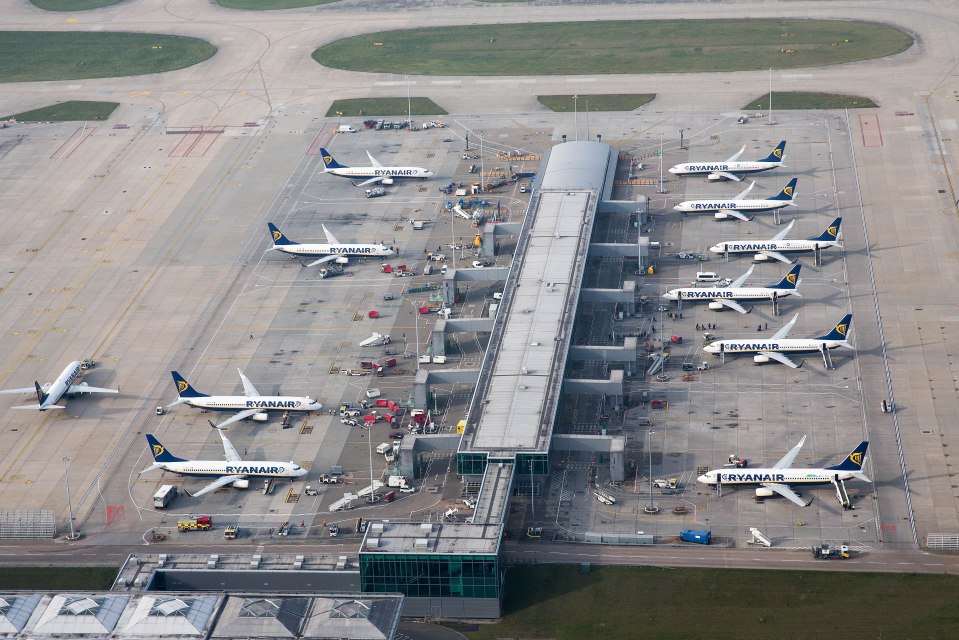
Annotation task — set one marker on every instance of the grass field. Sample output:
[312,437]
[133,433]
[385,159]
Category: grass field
[99,54]
[637,602]
[270,5]
[811,100]
[650,46]
[369,107]
[72,5]
[57,578]
[597,102]
[69,111]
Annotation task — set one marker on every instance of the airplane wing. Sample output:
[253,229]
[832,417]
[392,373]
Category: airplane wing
[329,236]
[373,161]
[745,192]
[741,280]
[735,156]
[781,358]
[248,389]
[732,304]
[782,333]
[777,256]
[370,181]
[242,415]
[325,259]
[727,175]
[24,390]
[222,481]
[787,460]
[787,493]
[80,388]
[229,451]
[736,214]
[782,234]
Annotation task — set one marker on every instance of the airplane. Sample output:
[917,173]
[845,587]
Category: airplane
[782,474]
[731,169]
[720,297]
[777,247]
[333,250]
[249,405]
[233,471]
[776,347]
[52,392]
[738,207]
[375,173]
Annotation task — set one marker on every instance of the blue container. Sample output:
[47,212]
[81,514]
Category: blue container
[699,537]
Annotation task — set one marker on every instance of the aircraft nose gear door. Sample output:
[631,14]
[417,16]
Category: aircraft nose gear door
[841,492]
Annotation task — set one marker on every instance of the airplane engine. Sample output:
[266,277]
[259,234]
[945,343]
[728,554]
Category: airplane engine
[342,260]
[763,492]
[241,484]
[715,177]
[760,359]
[386,181]
[761,257]
[722,216]
[716,306]
[261,417]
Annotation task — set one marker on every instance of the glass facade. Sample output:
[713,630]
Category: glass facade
[430,576]
[471,463]
[538,462]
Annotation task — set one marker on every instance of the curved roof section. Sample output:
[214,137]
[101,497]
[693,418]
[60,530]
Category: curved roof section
[577,165]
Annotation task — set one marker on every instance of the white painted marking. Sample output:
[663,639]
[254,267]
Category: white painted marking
[795,75]
[74,87]
[580,79]
[446,82]
[293,46]
[393,83]
[97,28]
[948,124]
[913,129]
[227,38]
[498,81]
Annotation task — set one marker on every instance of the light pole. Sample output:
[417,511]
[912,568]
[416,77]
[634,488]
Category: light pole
[66,466]
[416,330]
[661,189]
[575,120]
[482,165]
[650,508]
[409,105]
[682,145]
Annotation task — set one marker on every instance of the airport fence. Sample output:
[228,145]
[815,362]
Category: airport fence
[27,523]
[942,541]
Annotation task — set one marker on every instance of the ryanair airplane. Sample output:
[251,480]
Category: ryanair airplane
[776,347]
[732,169]
[720,297]
[234,471]
[782,474]
[738,206]
[778,247]
[374,173]
[333,250]
[49,394]
[247,406]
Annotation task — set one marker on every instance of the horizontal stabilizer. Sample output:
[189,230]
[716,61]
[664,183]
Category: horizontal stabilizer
[36,406]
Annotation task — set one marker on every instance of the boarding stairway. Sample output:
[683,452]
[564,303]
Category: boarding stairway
[841,492]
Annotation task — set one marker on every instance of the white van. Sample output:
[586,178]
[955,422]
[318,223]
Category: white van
[707,276]
[345,128]
[428,270]
[384,448]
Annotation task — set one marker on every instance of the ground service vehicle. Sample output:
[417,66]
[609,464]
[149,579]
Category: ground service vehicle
[383,448]
[199,523]
[375,192]
[327,479]
[825,552]
[231,532]
[310,491]
[164,496]
[396,481]
[346,128]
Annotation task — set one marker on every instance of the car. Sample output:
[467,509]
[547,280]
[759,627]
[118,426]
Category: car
[477,264]
[408,489]
[350,413]
[388,296]
[437,257]
[350,422]
[396,435]
[334,530]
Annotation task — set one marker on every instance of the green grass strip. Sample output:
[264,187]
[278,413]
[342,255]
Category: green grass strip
[69,111]
[57,578]
[597,102]
[811,100]
[72,5]
[370,107]
[270,5]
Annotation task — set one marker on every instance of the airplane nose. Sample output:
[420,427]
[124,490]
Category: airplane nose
[703,478]
[677,208]
[673,170]
[709,348]
[717,248]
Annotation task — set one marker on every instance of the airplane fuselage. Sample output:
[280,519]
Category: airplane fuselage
[743,206]
[779,246]
[737,168]
[381,172]
[208,468]
[781,476]
[59,387]
[262,403]
[785,345]
[361,250]
[743,293]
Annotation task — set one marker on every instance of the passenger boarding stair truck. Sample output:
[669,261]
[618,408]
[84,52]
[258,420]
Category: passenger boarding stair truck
[759,538]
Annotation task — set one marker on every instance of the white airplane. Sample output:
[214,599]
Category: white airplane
[732,169]
[720,297]
[333,250]
[779,478]
[777,248]
[738,207]
[374,173]
[52,392]
[247,406]
[779,345]
[233,471]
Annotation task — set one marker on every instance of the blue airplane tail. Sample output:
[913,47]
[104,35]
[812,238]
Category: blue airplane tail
[183,388]
[160,454]
[278,238]
[831,232]
[854,460]
[788,192]
[777,154]
[841,330]
[789,281]
[328,160]
[41,396]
